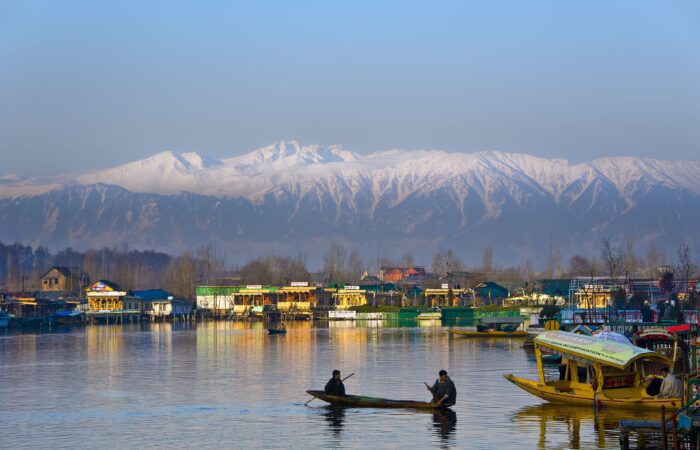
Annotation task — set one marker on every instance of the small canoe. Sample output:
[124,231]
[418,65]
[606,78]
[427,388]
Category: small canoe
[372,402]
[490,334]
[277,330]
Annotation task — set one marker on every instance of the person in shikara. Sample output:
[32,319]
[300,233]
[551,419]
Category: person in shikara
[335,385]
[671,387]
[444,390]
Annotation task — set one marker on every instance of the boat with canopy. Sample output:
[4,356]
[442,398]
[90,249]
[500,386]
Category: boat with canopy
[595,371]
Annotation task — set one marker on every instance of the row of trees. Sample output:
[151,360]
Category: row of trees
[21,266]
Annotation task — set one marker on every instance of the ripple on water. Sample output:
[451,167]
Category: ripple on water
[230,385]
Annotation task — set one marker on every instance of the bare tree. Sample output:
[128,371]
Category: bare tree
[686,267]
[487,259]
[630,264]
[554,260]
[579,266]
[527,272]
[181,276]
[355,265]
[334,263]
[407,260]
[445,262]
[654,260]
[612,258]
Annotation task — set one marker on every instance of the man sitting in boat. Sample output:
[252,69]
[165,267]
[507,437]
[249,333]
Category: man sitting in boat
[444,391]
[671,387]
[335,385]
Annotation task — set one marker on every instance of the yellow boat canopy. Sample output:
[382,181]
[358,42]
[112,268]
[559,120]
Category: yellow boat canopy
[604,351]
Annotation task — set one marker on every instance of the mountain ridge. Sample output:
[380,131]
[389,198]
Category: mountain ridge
[287,197]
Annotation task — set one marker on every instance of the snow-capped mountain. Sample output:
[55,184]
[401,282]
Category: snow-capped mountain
[287,197]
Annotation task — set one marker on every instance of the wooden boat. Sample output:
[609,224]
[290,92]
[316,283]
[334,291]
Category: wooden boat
[372,402]
[495,327]
[595,371]
[277,330]
[490,334]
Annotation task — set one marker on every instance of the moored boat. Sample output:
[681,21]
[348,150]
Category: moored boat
[493,327]
[372,402]
[280,330]
[595,371]
[490,334]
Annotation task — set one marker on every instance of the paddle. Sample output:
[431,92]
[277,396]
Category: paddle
[312,398]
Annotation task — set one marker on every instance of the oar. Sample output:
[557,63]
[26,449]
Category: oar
[312,398]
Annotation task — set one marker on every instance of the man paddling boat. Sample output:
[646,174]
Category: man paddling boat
[444,390]
[335,385]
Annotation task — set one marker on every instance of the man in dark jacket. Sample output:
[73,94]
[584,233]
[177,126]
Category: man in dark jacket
[444,390]
[335,385]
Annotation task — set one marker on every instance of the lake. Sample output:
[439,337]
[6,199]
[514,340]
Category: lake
[231,385]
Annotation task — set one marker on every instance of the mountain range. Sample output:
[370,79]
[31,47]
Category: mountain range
[287,199]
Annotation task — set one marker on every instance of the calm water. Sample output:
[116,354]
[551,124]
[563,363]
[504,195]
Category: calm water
[230,385]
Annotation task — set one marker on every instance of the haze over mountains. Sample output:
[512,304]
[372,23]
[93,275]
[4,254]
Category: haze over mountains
[287,198]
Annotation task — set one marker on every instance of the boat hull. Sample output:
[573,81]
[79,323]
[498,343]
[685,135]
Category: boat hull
[490,334]
[588,397]
[276,331]
[372,402]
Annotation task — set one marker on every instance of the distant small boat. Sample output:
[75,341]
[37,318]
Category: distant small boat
[372,402]
[68,317]
[277,330]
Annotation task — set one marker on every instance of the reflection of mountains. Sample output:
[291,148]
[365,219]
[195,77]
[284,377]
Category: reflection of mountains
[576,419]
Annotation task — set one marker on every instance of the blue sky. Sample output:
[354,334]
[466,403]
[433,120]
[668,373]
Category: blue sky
[87,84]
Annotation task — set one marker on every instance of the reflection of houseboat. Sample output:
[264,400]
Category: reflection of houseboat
[434,314]
[596,371]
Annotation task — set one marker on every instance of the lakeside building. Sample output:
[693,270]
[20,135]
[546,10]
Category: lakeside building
[490,292]
[400,273]
[447,296]
[295,301]
[35,307]
[348,297]
[105,296]
[71,281]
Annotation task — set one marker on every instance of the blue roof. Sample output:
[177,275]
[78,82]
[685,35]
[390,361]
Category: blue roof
[151,294]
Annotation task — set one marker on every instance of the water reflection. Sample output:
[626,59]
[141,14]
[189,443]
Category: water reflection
[335,416]
[585,427]
[444,424]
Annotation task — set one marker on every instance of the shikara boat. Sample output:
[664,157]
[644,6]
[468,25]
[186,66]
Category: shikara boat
[493,327]
[595,371]
[372,402]
[277,330]
[490,334]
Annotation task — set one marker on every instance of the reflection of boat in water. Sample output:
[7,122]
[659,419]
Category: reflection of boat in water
[371,402]
[444,423]
[595,371]
[335,416]
[579,424]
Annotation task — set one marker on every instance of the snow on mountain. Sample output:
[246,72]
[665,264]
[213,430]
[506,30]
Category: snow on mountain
[294,197]
[391,175]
